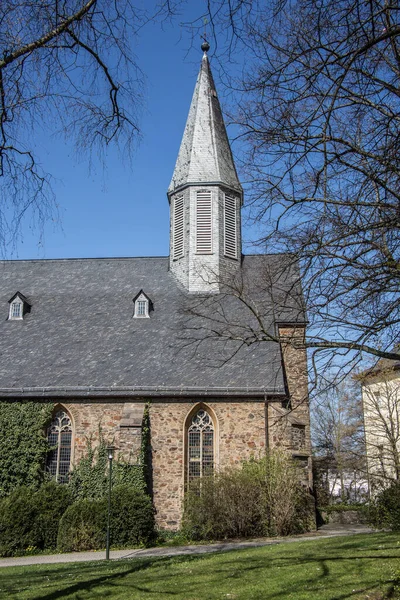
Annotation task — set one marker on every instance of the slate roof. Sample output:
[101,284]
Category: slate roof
[205,155]
[80,338]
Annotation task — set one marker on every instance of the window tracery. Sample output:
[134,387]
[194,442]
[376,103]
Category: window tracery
[59,437]
[200,458]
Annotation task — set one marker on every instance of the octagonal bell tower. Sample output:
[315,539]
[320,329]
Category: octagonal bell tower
[205,195]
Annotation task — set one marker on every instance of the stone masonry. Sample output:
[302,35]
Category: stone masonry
[239,434]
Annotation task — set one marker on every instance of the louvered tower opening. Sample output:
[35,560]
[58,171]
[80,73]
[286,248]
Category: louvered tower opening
[204,222]
[178,228]
[230,227]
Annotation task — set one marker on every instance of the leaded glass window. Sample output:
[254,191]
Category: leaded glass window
[59,436]
[200,445]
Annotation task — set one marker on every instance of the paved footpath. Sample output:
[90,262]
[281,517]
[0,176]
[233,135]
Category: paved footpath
[333,530]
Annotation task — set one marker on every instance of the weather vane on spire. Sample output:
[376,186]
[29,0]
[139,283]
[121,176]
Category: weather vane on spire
[205,45]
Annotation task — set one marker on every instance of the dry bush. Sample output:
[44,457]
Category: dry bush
[262,497]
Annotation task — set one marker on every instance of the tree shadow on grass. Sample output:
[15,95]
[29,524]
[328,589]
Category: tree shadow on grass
[82,571]
[233,566]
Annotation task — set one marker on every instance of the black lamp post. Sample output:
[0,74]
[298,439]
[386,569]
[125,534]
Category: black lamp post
[110,452]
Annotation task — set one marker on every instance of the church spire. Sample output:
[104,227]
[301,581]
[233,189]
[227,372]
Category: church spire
[205,194]
[205,155]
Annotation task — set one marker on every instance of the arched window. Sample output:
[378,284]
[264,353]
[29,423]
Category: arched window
[200,445]
[59,436]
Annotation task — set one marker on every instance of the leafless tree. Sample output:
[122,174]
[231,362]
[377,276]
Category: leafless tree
[319,115]
[65,66]
[339,442]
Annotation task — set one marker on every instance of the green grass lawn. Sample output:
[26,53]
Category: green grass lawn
[361,566]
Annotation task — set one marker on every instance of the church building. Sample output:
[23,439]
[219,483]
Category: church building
[210,340]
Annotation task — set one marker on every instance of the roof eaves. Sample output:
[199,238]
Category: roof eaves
[156,391]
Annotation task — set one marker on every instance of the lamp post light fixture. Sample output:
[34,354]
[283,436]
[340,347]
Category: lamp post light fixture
[110,452]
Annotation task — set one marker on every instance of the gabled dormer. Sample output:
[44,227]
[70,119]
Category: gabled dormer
[19,307]
[142,306]
[205,195]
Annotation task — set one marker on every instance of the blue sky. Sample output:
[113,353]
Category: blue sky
[122,210]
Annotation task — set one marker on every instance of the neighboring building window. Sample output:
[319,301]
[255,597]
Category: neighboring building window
[18,307]
[178,228]
[230,227]
[204,222]
[142,306]
[298,437]
[59,437]
[200,446]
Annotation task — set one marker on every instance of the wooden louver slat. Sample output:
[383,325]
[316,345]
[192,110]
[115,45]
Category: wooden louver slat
[203,223]
[230,228]
[178,228]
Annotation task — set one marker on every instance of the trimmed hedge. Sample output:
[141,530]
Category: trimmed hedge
[29,520]
[84,524]
[51,500]
[17,522]
[132,517]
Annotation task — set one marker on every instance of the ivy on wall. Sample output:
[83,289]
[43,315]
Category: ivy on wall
[90,479]
[23,444]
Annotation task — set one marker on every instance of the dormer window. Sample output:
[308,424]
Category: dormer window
[19,306]
[143,306]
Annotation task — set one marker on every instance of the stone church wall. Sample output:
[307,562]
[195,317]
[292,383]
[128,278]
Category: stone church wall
[240,434]
[89,418]
[289,424]
[240,430]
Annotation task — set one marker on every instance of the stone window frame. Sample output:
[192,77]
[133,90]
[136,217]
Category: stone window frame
[188,423]
[61,422]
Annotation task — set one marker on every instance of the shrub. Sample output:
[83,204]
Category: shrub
[30,519]
[384,511]
[223,506]
[17,521]
[51,500]
[83,526]
[333,508]
[263,497]
[132,517]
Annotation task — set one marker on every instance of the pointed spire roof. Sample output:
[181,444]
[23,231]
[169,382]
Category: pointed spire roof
[205,155]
